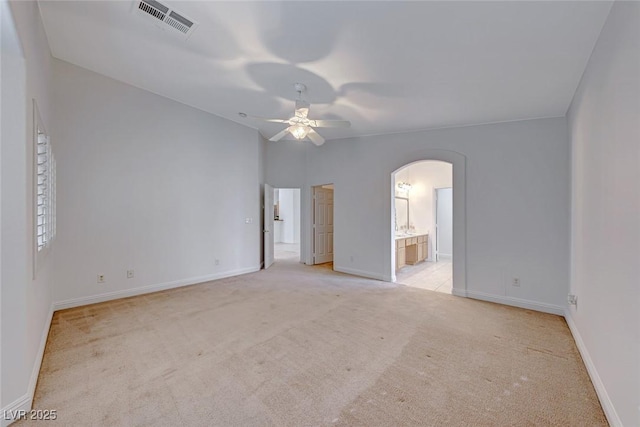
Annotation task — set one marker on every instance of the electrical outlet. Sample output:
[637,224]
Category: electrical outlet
[351,258]
[515,282]
[129,274]
[217,262]
[572,299]
[101,278]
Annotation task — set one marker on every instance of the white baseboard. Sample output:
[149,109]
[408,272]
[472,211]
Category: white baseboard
[35,371]
[362,273]
[108,296]
[24,402]
[458,292]
[11,411]
[601,391]
[516,302]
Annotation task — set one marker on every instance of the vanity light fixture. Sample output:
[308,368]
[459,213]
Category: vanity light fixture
[404,186]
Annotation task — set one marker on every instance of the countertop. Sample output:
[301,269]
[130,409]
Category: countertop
[404,236]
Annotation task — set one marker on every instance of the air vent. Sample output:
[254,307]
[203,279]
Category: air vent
[153,8]
[178,22]
[165,17]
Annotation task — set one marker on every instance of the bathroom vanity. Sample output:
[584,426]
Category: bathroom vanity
[411,249]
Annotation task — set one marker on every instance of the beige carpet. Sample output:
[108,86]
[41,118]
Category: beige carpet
[304,346]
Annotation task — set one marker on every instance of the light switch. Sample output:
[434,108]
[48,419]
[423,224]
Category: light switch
[248,220]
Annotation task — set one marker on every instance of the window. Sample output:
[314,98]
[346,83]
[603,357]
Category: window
[45,186]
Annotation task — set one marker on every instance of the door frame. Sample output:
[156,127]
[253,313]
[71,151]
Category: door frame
[267,227]
[435,215]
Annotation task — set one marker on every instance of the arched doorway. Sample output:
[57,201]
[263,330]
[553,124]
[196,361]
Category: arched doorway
[423,225]
[457,165]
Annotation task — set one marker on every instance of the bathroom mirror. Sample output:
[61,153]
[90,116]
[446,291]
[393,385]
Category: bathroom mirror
[402,214]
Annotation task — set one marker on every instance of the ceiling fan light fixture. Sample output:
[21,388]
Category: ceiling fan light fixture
[299,131]
[300,125]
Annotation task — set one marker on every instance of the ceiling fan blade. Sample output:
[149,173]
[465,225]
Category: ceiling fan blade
[279,135]
[315,137]
[330,123]
[264,119]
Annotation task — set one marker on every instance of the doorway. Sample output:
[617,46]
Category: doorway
[281,229]
[422,212]
[322,223]
[286,229]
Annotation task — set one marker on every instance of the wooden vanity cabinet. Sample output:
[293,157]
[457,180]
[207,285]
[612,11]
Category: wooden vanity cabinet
[411,250]
[400,254]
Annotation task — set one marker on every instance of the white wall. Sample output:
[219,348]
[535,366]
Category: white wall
[424,178]
[290,214]
[444,216]
[277,224]
[604,120]
[26,302]
[514,173]
[148,184]
[12,212]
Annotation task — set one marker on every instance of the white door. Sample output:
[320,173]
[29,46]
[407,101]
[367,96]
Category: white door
[322,225]
[268,226]
[444,223]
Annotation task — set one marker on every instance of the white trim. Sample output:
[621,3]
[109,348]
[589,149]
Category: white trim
[40,355]
[601,391]
[92,299]
[362,273]
[515,302]
[459,292]
[24,402]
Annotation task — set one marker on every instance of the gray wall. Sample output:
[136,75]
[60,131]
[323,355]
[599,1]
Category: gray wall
[26,299]
[604,120]
[517,202]
[148,184]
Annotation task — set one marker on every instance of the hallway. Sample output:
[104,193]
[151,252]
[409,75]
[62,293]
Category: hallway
[286,251]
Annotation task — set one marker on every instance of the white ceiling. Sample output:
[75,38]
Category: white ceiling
[385,66]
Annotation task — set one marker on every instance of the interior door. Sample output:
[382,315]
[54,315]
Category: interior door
[268,226]
[322,225]
[444,223]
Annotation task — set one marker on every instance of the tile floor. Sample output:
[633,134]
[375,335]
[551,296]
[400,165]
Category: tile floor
[435,276]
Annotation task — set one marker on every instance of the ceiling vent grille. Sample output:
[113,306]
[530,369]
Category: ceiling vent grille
[165,17]
[153,8]
[178,22]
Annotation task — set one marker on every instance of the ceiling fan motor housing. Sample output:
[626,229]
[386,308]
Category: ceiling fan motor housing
[302,109]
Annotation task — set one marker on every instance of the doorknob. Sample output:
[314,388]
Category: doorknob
[265,231]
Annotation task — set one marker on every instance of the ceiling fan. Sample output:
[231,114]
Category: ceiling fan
[300,125]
